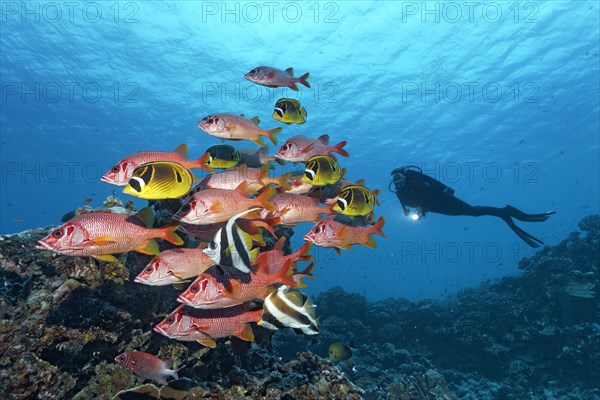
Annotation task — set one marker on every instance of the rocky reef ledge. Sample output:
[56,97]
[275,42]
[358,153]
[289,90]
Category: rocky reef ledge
[535,335]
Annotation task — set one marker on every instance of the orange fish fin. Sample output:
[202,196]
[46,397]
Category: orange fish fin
[307,271]
[371,242]
[284,275]
[375,194]
[151,248]
[242,188]
[293,86]
[303,79]
[337,251]
[283,182]
[345,246]
[216,207]
[146,215]
[262,224]
[106,257]
[104,240]
[200,163]
[339,148]
[360,182]
[256,120]
[208,342]
[168,234]
[342,173]
[307,148]
[302,253]
[245,333]
[263,200]
[182,150]
[290,71]
[259,141]
[324,139]
[180,285]
[271,134]
[376,229]
[279,245]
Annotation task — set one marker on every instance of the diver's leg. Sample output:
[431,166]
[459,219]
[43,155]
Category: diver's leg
[527,238]
[521,216]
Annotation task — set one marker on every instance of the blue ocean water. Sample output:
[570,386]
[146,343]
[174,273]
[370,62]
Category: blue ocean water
[499,100]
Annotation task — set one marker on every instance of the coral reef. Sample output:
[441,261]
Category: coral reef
[535,335]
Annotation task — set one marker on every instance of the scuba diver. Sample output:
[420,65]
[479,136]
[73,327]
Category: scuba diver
[425,194]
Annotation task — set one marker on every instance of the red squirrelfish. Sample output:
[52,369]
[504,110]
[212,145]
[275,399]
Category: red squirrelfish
[211,206]
[174,266]
[122,172]
[101,234]
[257,178]
[275,259]
[274,78]
[331,233]
[216,290]
[298,186]
[236,127]
[214,324]
[294,208]
[301,148]
[147,366]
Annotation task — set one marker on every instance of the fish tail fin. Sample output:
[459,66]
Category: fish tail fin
[200,163]
[303,252]
[303,79]
[377,227]
[375,194]
[285,275]
[298,276]
[283,183]
[264,201]
[339,148]
[271,135]
[168,233]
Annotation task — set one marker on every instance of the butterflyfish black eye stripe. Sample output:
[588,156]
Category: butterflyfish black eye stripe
[147,173]
[178,176]
[135,184]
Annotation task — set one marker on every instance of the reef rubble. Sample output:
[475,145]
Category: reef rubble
[535,335]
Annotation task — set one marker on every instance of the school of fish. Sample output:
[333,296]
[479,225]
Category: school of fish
[229,281]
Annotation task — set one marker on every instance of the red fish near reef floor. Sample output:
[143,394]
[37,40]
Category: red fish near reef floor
[174,266]
[147,366]
[203,326]
[101,234]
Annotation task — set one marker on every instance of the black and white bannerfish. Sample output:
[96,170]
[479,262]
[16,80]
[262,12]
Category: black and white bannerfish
[232,247]
[289,308]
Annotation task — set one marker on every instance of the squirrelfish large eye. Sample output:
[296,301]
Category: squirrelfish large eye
[122,358]
[170,320]
[254,71]
[194,288]
[57,233]
[115,168]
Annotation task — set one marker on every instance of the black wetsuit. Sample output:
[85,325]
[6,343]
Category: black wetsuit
[415,189]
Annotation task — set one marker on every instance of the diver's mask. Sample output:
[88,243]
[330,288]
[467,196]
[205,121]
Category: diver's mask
[399,178]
